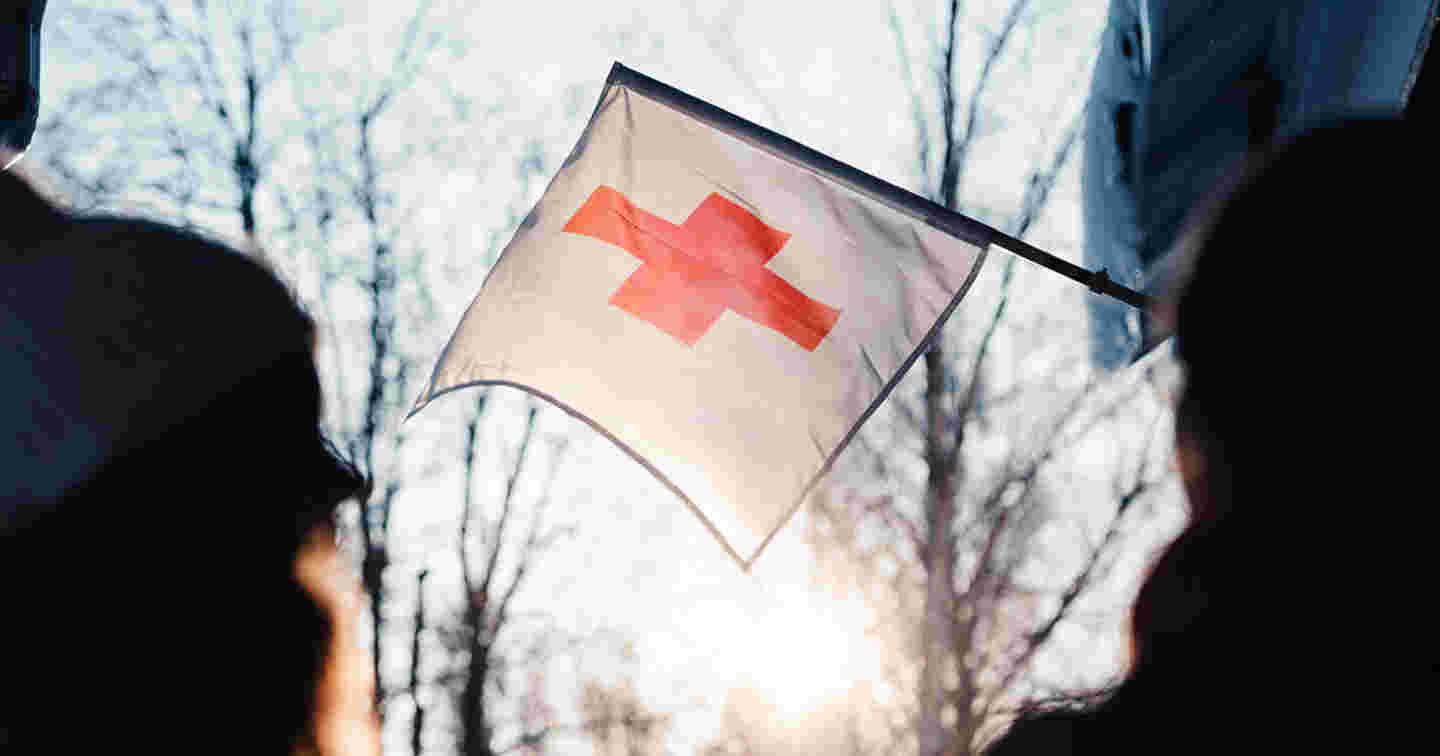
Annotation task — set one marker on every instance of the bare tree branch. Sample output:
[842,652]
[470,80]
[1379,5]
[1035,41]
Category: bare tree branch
[722,42]
[917,105]
[417,723]
[1037,638]
[496,539]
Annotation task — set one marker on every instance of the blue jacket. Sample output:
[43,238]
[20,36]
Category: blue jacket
[1183,89]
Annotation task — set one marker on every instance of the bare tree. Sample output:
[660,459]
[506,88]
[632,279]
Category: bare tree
[417,636]
[955,558]
[494,567]
[719,32]
[620,723]
[388,371]
[187,98]
[355,190]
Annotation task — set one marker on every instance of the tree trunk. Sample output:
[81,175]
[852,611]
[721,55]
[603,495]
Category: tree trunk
[372,574]
[476,737]
[939,564]
[417,723]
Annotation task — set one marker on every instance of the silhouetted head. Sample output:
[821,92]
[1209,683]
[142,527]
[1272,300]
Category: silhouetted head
[1303,435]
[163,469]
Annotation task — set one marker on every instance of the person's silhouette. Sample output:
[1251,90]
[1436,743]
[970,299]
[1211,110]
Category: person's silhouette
[1292,607]
[166,551]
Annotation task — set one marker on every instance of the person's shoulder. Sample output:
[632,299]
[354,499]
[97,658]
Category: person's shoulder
[1051,733]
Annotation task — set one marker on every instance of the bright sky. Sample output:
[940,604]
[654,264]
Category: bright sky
[640,565]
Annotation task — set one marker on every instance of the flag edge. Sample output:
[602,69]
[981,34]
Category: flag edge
[920,348]
[582,417]
[771,142]
[429,394]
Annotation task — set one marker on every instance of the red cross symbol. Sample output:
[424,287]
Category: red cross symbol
[693,272]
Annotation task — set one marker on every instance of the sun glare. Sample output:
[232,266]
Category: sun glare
[806,651]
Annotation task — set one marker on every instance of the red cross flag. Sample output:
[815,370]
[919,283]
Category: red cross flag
[724,304]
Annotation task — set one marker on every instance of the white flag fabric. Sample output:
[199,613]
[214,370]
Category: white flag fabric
[724,304]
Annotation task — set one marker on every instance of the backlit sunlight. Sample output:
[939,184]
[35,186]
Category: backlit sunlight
[803,651]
